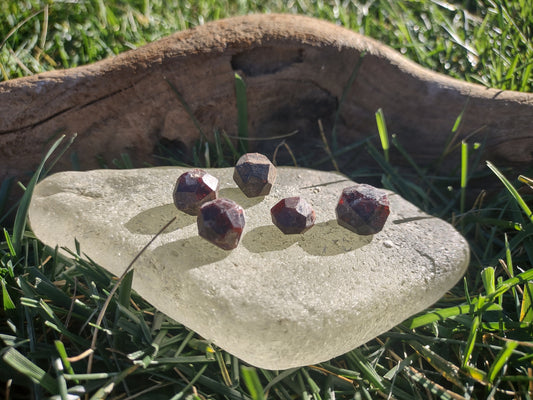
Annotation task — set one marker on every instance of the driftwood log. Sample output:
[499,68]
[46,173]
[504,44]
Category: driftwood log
[295,69]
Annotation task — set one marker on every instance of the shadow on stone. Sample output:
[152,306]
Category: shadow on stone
[268,238]
[239,197]
[150,221]
[188,253]
[330,239]
[324,239]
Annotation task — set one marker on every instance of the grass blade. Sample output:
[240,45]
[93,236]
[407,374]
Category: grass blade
[501,360]
[23,365]
[526,310]
[511,189]
[252,382]
[20,218]
[242,112]
[106,389]
[7,303]
[383,134]
[464,174]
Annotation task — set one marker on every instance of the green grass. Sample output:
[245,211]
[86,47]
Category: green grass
[476,342]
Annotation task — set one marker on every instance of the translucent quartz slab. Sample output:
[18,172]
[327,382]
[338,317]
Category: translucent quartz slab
[277,301]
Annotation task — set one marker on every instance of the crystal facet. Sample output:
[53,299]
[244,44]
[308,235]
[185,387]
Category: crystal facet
[293,215]
[363,209]
[221,222]
[194,188]
[254,174]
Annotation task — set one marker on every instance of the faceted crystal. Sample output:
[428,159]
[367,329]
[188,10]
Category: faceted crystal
[194,188]
[221,222]
[363,209]
[293,215]
[254,174]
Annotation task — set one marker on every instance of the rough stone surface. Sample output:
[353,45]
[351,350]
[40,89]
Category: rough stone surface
[293,215]
[363,209]
[276,301]
[194,188]
[254,174]
[221,222]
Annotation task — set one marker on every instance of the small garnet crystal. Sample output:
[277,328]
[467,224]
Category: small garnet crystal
[194,188]
[254,174]
[363,209]
[221,222]
[293,215]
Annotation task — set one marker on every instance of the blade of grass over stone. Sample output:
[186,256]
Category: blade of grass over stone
[511,189]
[501,359]
[252,382]
[421,173]
[185,105]
[124,292]
[345,91]
[23,365]
[383,134]
[22,213]
[326,146]
[115,288]
[242,112]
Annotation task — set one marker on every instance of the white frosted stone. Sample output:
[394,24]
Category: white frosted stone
[277,301]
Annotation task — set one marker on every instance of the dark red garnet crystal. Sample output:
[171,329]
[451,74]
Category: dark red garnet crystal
[221,222]
[363,209]
[254,174]
[293,215]
[194,188]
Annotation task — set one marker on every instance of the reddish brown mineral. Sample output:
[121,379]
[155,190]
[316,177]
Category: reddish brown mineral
[194,188]
[293,215]
[254,174]
[221,222]
[363,209]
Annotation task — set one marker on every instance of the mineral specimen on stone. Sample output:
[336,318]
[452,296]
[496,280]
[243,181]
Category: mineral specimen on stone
[254,174]
[194,188]
[363,209]
[276,301]
[221,222]
[293,215]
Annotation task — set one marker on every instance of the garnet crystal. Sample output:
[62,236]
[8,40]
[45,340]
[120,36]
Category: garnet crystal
[194,188]
[221,222]
[363,209]
[293,215]
[254,174]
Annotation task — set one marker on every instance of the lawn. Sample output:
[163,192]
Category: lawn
[476,342]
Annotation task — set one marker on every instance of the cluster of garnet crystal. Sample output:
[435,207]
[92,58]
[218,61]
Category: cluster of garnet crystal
[362,208]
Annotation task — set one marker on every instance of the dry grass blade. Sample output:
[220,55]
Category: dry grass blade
[115,288]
